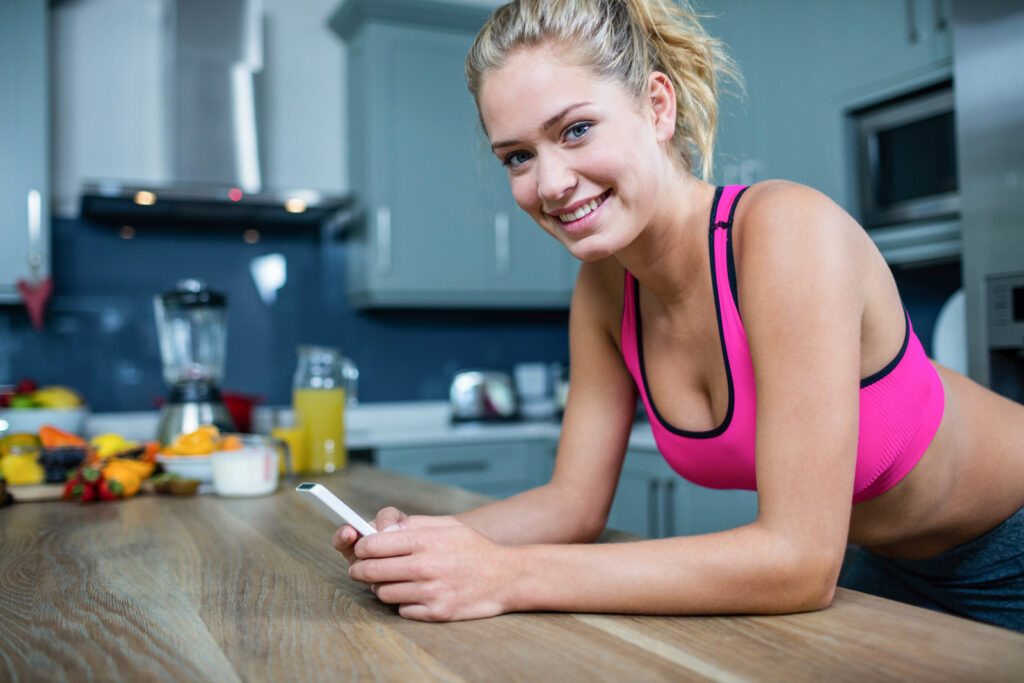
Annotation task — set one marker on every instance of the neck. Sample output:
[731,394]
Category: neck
[668,256]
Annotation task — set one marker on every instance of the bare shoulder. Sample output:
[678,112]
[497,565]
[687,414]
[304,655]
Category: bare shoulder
[779,208]
[793,244]
[598,295]
[787,225]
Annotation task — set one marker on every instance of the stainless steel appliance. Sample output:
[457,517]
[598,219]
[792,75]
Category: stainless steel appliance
[1006,334]
[988,42]
[906,157]
[483,395]
[191,323]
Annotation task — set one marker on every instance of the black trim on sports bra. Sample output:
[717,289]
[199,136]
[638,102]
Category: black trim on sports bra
[720,429]
[871,379]
[730,261]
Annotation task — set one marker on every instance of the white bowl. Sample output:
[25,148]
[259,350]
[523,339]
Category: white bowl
[247,471]
[188,466]
[29,420]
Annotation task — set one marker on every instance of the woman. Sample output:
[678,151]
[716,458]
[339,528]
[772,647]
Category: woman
[762,330]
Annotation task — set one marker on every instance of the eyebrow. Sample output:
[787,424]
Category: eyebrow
[547,125]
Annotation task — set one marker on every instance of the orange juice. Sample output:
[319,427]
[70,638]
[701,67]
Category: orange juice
[319,413]
[296,441]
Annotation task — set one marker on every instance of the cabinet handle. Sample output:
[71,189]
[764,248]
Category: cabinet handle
[652,509]
[912,36]
[458,467]
[383,239]
[669,504]
[941,23]
[501,244]
[35,233]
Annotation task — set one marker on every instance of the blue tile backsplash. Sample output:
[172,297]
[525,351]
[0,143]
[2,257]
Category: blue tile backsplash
[100,335]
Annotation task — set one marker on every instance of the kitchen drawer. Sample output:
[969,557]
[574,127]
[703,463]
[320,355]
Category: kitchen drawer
[498,469]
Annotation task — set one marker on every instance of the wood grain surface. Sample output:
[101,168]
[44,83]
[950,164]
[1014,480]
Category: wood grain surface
[207,588]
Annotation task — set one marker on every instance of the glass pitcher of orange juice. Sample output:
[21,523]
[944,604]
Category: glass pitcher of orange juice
[319,395]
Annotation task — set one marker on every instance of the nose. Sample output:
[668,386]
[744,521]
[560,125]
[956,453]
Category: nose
[555,179]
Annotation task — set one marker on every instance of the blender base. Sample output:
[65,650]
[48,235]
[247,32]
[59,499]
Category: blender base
[181,418]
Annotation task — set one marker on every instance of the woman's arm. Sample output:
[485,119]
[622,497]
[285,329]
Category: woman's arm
[802,304]
[573,507]
[599,413]
[802,300]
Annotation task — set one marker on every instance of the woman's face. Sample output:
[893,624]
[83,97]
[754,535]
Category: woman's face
[584,156]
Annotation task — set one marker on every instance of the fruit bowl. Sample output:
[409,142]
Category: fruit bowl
[29,420]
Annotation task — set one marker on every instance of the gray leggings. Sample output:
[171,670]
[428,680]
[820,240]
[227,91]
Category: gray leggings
[982,579]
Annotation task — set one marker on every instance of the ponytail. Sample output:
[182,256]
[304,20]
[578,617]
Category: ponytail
[625,40]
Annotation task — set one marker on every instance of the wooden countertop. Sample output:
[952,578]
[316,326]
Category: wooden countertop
[227,589]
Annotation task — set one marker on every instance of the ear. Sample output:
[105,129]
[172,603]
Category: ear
[661,95]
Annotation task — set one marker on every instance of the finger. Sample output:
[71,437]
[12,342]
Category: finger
[385,570]
[415,611]
[389,517]
[386,545]
[428,522]
[399,593]
[344,538]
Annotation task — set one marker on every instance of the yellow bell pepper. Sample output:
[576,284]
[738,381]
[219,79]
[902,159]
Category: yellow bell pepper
[21,469]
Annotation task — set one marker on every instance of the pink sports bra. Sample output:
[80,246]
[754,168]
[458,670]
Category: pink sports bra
[901,406]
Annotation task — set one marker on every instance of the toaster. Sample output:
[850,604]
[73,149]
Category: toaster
[483,395]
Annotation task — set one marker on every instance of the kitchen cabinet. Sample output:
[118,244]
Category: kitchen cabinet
[499,469]
[24,233]
[439,226]
[652,500]
[807,66]
[879,42]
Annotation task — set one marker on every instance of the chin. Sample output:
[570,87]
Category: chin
[590,250]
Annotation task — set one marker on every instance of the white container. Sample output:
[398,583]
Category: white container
[248,471]
[188,466]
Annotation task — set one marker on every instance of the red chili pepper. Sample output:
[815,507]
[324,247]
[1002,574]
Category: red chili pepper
[73,487]
[110,489]
[82,485]
[88,492]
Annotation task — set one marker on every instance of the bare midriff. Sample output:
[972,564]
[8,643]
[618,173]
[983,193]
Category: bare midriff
[966,483]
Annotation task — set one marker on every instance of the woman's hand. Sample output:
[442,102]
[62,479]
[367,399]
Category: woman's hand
[345,537]
[435,569]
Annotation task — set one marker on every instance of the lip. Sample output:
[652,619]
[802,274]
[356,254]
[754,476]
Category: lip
[584,223]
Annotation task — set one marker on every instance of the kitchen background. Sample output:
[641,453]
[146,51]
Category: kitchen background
[106,121]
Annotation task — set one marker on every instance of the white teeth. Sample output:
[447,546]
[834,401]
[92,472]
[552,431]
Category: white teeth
[580,212]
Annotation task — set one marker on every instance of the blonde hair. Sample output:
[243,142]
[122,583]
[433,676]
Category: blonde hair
[625,40]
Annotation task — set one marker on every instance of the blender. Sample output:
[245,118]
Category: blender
[191,323]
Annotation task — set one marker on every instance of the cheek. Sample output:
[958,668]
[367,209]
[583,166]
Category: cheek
[524,192]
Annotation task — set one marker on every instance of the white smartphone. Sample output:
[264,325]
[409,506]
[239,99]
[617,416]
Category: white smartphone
[320,497]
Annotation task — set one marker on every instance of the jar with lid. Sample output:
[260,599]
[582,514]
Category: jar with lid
[318,401]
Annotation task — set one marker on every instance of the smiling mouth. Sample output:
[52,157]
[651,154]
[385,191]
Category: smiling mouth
[583,210]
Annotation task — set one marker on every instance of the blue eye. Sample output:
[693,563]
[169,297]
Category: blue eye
[577,130]
[516,158]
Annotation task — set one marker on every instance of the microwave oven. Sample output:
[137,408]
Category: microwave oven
[906,159]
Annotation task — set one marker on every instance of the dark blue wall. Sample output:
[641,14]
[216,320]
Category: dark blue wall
[100,335]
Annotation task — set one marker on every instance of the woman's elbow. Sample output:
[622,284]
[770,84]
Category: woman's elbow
[810,582]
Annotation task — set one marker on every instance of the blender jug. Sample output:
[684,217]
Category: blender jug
[191,323]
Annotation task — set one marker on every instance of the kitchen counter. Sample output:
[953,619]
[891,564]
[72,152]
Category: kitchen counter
[380,425]
[227,589]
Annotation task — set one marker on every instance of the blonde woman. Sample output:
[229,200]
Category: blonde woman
[765,336]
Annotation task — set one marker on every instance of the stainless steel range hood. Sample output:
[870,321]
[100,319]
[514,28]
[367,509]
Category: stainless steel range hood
[214,51]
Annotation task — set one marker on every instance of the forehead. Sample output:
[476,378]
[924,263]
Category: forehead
[535,83]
